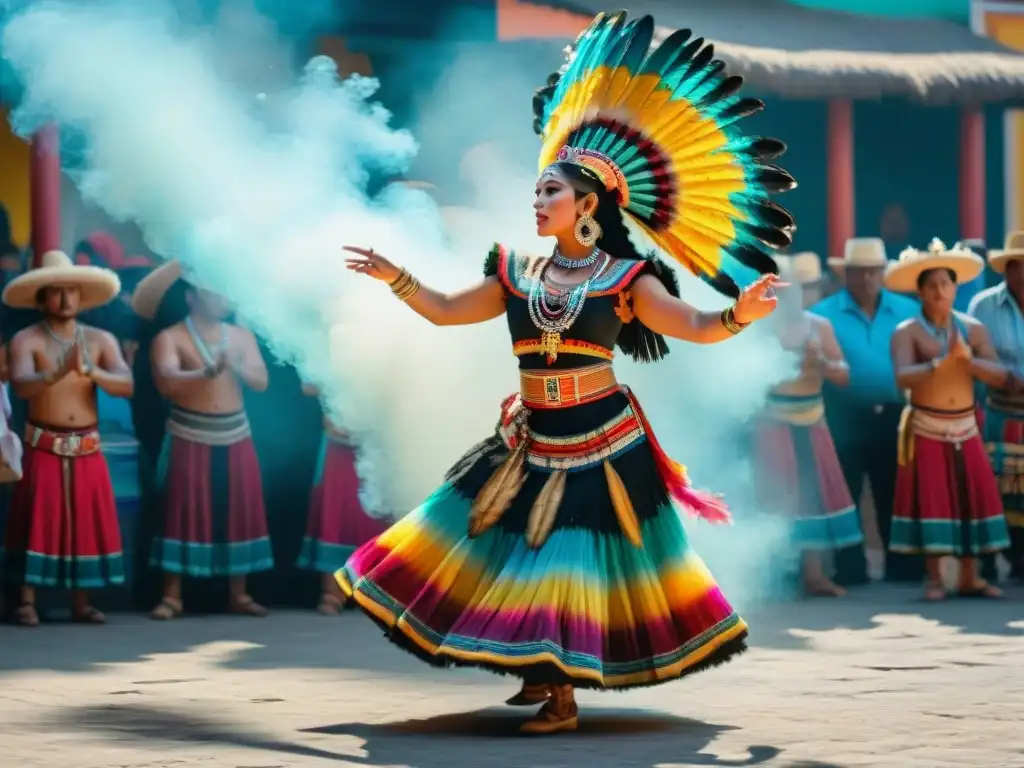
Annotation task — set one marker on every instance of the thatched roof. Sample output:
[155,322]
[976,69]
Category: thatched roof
[798,52]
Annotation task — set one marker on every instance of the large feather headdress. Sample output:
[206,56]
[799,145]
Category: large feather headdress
[659,128]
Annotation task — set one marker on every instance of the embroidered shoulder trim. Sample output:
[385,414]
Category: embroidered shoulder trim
[617,277]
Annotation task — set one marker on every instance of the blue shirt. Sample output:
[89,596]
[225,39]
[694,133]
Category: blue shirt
[866,344]
[998,312]
[965,292]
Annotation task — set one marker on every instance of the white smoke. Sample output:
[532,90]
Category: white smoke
[255,179]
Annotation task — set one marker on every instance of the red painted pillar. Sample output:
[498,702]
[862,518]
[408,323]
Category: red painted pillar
[972,174]
[841,226]
[45,192]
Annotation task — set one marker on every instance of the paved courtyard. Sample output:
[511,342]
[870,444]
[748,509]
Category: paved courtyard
[879,679]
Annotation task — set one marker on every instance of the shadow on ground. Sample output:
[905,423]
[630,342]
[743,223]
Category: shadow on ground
[304,640]
[482,739]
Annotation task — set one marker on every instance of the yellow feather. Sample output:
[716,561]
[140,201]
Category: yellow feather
[497,494]
[545,509]
[623,506]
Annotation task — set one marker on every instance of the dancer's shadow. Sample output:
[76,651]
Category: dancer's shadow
[490,738]
[153,726]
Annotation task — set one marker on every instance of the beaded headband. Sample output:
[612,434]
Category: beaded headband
[600,165]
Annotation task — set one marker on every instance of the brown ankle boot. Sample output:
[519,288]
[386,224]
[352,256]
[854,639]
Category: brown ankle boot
[530,695]
[558,714]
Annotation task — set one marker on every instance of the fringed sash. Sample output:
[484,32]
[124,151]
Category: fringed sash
[956,427]
[558,456]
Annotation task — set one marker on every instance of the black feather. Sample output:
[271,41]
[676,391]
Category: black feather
[755,258]
[742,108]
[774,179]
[773,215]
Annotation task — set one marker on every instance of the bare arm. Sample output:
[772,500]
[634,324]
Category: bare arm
[26,381]
[834,368]
[985,365]
[250,367]
[477,304]
[310,390]
[168,375]
[908,373]
[663,313]
[112,375]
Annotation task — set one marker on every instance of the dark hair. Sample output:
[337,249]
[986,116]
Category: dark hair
[635,339]
[921,278]
[614,238]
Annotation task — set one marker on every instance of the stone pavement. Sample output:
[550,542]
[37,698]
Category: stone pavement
[878,679]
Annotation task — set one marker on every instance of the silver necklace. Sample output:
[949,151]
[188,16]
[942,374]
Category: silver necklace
[207,352]
[552,319]
[560,260]
[58,348]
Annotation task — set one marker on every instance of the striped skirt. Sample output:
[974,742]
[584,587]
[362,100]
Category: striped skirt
[572,567]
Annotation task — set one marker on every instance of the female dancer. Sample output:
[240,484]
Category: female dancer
[552,552]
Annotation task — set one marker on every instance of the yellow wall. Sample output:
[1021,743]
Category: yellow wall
[1008,29]
[14,181]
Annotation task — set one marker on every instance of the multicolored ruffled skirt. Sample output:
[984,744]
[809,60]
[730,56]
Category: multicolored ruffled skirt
[578,569]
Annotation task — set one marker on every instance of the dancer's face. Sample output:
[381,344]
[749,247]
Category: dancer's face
[60,302]
[556,205]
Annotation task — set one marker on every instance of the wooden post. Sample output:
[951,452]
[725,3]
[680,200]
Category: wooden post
[841,222]
[972,174]
[45,192]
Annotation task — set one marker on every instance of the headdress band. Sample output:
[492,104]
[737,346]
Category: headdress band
[602,166]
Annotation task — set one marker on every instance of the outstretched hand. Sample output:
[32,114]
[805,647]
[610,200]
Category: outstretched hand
[758,299]
[369,262]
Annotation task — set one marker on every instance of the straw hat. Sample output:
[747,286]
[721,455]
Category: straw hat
[98,285]
[802,268]
[863,252]
[151,289]
[901,276]
[1013,248]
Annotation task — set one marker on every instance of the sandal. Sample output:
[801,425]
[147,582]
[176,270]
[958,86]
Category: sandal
[558,714]
[246,606]
[530,695]
[168,608]
[935,592]
[89,616]
[26,615]
[330,604]
[979,589]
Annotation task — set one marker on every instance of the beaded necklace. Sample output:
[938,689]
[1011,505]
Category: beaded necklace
[209,354]
[554,314]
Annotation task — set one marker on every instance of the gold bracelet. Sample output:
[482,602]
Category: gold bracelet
[730,322]
[405,285]
[48,378]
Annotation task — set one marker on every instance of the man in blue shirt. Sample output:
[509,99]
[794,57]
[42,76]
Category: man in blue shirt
[864,416]
[999,310]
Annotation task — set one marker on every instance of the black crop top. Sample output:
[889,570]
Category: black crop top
[591,337]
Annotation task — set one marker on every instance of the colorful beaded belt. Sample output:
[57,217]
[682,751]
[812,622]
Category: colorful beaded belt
[590,449]
[565,347]
[568,387]
[65,444]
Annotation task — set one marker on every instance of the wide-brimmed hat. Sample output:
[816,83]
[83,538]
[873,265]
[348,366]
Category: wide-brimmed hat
[863,252]
[1013,248]
[97,285]
[901,276]
[153,287]
[801,269]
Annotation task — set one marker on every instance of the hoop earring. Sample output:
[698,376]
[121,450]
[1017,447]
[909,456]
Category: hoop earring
[587,230]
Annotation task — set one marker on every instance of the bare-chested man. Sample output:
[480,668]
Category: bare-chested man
[799,470]
[214,522]
[63,530]
[947,501]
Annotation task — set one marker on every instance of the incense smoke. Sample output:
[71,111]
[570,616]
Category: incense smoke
[254,172]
